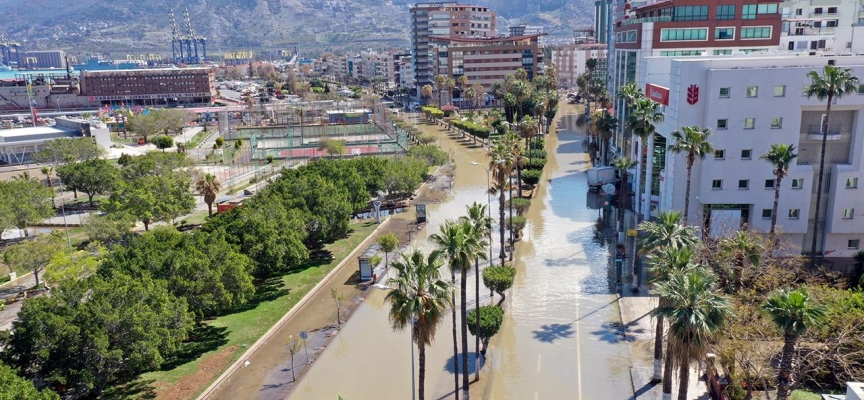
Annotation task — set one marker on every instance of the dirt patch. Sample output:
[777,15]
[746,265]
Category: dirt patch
[189,386]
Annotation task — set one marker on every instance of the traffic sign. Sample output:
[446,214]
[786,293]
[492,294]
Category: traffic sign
[303,335]
[632,232]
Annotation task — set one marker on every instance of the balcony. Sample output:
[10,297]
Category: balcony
[814,132]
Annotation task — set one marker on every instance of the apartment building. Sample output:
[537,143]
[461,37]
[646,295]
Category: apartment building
[750,103]
[824,26]
[444,19]
[486,60]
[140,86]
[570,60]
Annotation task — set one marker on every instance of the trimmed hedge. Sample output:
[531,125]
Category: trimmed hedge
[536,154]
[433,112]
[473,129]
[518,223]
[520,204]
[531,176]
[535,163]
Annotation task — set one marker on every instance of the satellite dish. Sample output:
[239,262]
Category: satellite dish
[608,188]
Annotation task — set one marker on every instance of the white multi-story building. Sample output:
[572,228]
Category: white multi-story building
[825,25]
[750,103]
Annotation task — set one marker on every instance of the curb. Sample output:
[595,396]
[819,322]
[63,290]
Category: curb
[16,279]
[263,339]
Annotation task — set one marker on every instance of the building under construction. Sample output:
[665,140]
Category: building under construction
[11,53]
[186,47]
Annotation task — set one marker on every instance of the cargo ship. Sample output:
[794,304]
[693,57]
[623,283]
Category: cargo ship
[101,64]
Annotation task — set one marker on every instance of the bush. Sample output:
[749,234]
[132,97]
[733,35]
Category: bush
[536,154]
[163,142]
[518,223]
[531,176]
[491,318]
[535,163]
[520,205]
[431,155]
[220,142]
[432,112]
[473,129]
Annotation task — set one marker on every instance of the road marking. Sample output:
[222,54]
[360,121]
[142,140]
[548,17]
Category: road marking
[538,362]
[536,395]
[578,354]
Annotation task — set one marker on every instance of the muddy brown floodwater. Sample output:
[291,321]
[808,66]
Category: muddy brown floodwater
[561,336]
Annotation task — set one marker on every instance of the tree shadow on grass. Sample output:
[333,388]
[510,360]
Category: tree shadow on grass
[202,339]
[133,389]
[265,290]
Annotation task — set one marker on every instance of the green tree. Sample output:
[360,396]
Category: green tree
[499,279]
[388,244]
[696,313]
[781,157]
[63,151]
[418,301]
[220,142]
[208,186]
[34,255]
[491,318]
[23,203]
[741,250]
[339,300]
[662,264]
[144,125]
[201,268]
[107,228]
[152,198]
[324,204]
[604,124]
[644,114]
[163,142]
[125,327]
[834,82]
[14,387]
[72,266]
[481,228]
[793,313]
[692,141]
[91,177]
[667,232]
[333,147]
[426,92]
[47,170]
[344,174]
[171,119]
[293,345]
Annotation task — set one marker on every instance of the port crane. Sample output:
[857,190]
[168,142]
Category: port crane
[186,47]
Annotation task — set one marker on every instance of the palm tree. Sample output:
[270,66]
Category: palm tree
[208,186]
[629,93]
[501,165]
[419,298]
[693,142]
[604,125]
[644,114]
[448,241]
[47,170]
[440,81]
[696,312]
[450,84]
[781,157]
[667,232]
[662,264]
[511,140]
[834,82]
[426,92]
[481,227]
[741,249]
[793,312]
[460,245]
[623,164]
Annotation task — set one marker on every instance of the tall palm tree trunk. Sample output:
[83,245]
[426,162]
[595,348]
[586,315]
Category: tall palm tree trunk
[784,377]
[658,348]
[455,339]
[477,318]
[501,207]
[518,177]
[683,380]
[774,210]
[667,371]
[687,191]
[464,299]
[825,126]
[623,197]
[649,176]
[512,228]
[210,209]
[421,378]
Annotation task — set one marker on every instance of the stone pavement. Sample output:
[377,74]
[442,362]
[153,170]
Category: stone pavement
[639,330]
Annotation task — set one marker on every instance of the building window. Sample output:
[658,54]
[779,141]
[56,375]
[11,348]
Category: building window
[724,92]
[794,213]
[743,184]
[848,213]
[776,123]
[797,183]
[817,11]
[722,123]
[861,88]
[717,184]
[769,184]
[724,33]
[725,12]
[671,35]
[681,53]
[690,13]
[766,213]
[746,154]
[758,32]
[767,9]
[749,123]
[851,183]
[726,52]
[831,23]
[753,91]
[748,11]
[799,11]
[853,244]
[779,90]
[720,154]
[832,10]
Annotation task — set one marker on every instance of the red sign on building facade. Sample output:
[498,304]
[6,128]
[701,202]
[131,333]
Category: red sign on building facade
[692,94]
[659,94]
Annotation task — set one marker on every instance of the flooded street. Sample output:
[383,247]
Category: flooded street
[560,338]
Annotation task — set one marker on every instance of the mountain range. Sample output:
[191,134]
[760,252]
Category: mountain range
[115,26]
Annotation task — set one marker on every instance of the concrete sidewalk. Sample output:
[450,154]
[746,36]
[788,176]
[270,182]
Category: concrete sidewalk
[639,326]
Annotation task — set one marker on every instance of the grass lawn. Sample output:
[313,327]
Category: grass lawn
[196,140]
[275,298]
